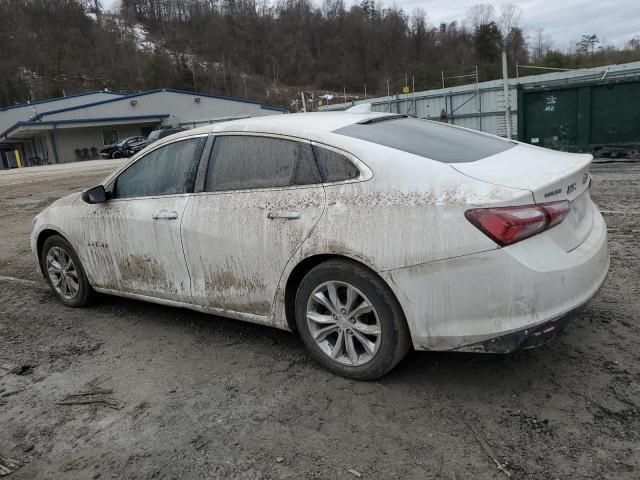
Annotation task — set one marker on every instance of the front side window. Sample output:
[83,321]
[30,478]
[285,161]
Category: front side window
[245,162]
[167,170]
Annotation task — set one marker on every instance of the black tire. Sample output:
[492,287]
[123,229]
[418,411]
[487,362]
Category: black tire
[394,339]
[85,293]
[117,154]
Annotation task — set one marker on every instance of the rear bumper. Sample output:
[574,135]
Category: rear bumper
[522,339]
[502,299]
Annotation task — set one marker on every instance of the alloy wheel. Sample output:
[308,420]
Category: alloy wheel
[62,273]
[344,323]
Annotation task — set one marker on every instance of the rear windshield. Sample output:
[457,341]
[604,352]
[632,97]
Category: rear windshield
[428,139]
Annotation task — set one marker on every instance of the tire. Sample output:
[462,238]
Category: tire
[116,154]
[373,340]
[57,249]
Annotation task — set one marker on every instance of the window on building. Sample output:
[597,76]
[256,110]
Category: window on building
[109,136]
[245,162]
[167,170]
[333,166]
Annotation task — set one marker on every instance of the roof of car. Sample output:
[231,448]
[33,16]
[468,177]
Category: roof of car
[289,124]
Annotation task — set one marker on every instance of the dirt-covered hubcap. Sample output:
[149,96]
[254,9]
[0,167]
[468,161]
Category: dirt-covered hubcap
[62,273]
[344,323]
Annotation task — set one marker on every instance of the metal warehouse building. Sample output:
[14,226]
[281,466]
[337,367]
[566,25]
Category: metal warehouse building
[582,110]
[76,127]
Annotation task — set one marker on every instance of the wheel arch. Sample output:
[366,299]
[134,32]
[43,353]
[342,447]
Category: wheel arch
[305,266]
[41,238]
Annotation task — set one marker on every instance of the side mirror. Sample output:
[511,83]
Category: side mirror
[95,194]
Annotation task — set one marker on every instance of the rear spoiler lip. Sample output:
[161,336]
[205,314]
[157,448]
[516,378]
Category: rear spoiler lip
[535,190]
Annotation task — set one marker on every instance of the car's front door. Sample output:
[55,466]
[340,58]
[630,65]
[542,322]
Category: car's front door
[133,242]
[262,197]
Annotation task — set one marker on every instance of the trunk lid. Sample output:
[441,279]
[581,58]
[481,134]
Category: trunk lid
[550,176]
[547,174]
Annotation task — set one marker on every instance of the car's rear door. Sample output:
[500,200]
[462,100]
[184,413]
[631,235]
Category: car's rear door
[261,197]
[133,242]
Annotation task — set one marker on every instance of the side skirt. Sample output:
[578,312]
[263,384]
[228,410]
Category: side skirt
[245,317]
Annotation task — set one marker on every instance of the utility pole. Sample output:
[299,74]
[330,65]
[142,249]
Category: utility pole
[365,91]
[304,102]
[388,97]
[244,79]
[507,99]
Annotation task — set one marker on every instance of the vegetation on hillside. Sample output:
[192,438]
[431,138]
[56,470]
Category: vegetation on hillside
[262,50]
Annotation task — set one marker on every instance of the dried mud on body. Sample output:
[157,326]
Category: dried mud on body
[197,396]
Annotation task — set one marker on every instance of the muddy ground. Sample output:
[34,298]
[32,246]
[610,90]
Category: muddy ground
[194,396]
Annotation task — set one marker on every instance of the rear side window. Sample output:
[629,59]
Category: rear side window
[434,140]
[245,162]
[333,166]
[167,170]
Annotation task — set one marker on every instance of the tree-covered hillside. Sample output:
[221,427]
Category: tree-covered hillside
[267,51]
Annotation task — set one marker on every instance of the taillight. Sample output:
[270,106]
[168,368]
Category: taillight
[508,225]
[556,211]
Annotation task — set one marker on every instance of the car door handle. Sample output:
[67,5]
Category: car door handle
[165,215]
[287,215]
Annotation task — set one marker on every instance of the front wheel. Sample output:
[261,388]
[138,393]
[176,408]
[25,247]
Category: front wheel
[64,272]
[350,321]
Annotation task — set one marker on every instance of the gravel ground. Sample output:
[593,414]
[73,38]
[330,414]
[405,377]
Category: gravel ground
[186,395]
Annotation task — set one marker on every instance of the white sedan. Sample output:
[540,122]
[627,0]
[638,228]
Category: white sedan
[365,233]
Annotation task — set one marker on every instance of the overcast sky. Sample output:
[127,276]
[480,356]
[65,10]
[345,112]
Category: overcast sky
[565,21]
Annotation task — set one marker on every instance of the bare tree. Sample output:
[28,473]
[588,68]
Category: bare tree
[481,15]
[541,45]
[509,18]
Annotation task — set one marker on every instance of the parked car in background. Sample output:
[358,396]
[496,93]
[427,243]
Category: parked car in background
[135,147]
[154,136]
[120,149]
[365,233]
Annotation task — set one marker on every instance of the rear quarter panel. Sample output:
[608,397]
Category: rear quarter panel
[411,212]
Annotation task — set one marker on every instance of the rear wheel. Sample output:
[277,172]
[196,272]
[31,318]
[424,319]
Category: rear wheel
[64,272]
[117,154]
[350,321]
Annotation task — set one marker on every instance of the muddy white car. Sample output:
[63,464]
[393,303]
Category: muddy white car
[365,233]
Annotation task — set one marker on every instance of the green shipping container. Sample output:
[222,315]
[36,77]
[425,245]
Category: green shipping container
[597,117]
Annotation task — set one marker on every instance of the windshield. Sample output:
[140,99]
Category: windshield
[429,139]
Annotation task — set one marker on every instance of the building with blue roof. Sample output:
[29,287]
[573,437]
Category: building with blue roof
[76,127]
